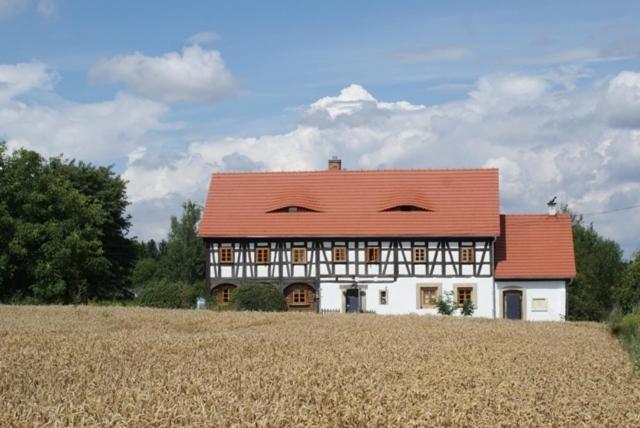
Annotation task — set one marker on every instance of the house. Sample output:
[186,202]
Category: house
[386,241]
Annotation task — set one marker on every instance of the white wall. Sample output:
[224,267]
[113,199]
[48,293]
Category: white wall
[553,291]
[403,294]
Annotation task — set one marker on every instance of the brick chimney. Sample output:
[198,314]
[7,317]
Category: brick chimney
[335,164]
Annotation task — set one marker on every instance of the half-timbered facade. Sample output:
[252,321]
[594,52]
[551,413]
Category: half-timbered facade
[388,242]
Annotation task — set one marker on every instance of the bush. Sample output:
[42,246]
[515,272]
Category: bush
[467,308]
[165,294]
[627,328]
[444,305]
[258,297]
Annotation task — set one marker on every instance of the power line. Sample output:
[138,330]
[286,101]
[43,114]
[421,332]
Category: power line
[611,211]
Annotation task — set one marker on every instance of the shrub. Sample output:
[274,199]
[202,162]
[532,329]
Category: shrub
[258,297]
[444,305]
[467,308]
[627,328]
[165,294]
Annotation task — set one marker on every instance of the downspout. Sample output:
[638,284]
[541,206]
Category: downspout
[493,275]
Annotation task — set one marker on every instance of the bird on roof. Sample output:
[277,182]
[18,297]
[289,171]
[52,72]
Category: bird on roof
[552,201]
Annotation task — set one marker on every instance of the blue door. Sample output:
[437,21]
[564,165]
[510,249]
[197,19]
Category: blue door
[513,305]
[353,300]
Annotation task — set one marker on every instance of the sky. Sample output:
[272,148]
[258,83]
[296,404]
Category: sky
[169,92]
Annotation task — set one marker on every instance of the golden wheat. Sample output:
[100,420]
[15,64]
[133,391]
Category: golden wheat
[82,366]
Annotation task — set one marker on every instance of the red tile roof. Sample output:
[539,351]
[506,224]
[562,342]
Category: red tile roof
[535,247]
[460,202]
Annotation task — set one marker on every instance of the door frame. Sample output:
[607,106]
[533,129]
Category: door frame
[523,302]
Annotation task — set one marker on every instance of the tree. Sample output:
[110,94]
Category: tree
[184,259]
[51,246]
[63,227]
[599,267]
[101,185]
[627,293]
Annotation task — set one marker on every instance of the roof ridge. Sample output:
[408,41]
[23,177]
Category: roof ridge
[534,215]
[354,171]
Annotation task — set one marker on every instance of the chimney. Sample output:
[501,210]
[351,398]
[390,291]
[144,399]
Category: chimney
[552,206]
[335,164]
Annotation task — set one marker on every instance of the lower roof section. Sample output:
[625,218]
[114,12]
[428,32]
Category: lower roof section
[535,247]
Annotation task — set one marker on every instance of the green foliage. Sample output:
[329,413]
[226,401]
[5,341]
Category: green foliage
[184,260]
[627,293]
[467,308]
[599,268]
[444,304]
[258,297]
[145,271]
[166,294]
[627,328]
[179,259]
[53,234]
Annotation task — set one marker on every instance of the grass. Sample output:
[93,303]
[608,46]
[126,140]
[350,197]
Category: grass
[149,367]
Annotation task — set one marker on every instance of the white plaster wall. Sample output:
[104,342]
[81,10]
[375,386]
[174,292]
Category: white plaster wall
[403,295]
[553,291]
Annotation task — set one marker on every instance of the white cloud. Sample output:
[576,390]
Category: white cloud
[98,131]
[548,135]
[11,7]
[194,75]
[435,53]
[203,37]
[16,79]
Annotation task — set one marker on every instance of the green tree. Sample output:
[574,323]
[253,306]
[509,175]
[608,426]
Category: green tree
[51,247]
[102,186]
[599,267]
[184,259]
[627,293]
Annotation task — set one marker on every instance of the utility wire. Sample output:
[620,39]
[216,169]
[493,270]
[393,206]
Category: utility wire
[633,207]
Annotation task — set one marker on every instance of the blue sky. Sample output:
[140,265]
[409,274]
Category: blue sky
[547,91]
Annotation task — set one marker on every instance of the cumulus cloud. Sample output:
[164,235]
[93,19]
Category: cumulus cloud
[99,131]
[548,135]
[16,79]
[195,74]
[203,38]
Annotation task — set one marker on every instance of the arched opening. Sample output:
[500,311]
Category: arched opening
[300,297]
[222,293]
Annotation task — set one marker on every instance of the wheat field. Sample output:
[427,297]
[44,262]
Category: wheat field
[85,366]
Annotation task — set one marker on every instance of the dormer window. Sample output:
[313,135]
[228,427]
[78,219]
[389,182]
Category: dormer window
[405,208]
[293,209]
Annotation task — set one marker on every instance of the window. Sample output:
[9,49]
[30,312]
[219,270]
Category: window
[223,293]
[539,305]
[463,294]
[383,297]
[263,256]
[467,255]
[298,295]
[298,255]
[226,255]
[429,296]
[339,254]
[419,254]
[405,208]
[373,254]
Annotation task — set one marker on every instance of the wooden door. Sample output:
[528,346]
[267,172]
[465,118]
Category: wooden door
[512,304]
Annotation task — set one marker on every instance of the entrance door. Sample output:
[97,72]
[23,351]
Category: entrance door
[353,301]
[512,305]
